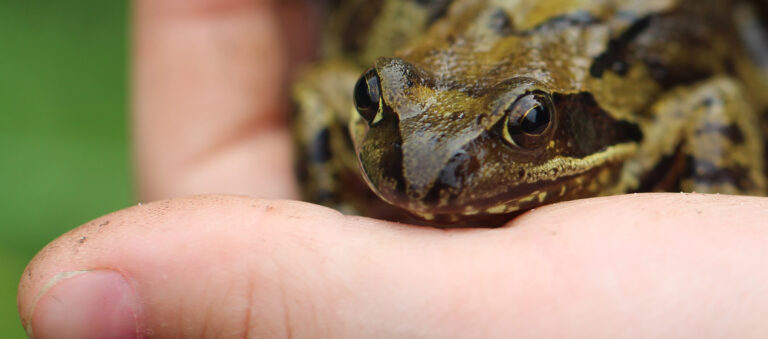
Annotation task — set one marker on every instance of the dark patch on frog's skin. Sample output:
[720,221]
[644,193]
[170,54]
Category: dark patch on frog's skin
[729,65]
[347,137]
[667,173]
[437,8]
[614,58]
[320,147]
[670,77]
[301,169]
[709,173]
[730,132]
[500,22]
[321,196]
[576,19]
[318,151]
[590,127]
[669,70]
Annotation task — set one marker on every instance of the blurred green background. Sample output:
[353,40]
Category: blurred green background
[63,141]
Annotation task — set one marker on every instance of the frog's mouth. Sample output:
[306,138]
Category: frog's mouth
[559,179]
[491,213]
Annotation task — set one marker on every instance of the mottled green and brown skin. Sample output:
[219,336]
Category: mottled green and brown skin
[639,96]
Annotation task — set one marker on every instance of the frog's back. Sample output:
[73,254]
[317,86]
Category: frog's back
[679,40]
[363,30]
[687,26]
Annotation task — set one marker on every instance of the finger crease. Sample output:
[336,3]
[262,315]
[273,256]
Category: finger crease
[257,126]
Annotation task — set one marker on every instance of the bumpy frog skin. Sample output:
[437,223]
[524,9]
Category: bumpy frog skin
[466,112]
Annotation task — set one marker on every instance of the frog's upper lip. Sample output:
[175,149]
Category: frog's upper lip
[505,198]
[517,197]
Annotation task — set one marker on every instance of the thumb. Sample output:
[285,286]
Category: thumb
[214,265]
[236,267]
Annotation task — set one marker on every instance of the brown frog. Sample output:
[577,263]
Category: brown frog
[470,111]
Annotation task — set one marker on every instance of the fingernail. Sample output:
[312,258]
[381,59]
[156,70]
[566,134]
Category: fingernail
[85,304]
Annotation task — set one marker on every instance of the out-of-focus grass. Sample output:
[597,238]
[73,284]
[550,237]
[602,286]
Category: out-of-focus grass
[11,266]
[63,143]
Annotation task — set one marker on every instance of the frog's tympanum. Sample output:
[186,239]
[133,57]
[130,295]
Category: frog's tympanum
[466,112]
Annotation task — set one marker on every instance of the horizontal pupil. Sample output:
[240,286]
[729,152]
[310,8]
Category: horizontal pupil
[535,121]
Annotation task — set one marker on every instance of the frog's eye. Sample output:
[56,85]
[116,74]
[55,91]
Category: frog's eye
[528,120]
[367,95]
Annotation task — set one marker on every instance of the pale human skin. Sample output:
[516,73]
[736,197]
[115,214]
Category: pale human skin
[209,117]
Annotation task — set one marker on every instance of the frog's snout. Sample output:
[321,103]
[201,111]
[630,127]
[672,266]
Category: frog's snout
[412,150]
[422,182]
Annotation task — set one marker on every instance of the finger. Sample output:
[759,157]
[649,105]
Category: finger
[635,266]
[210,99]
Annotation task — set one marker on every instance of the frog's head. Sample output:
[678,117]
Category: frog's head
[450,151]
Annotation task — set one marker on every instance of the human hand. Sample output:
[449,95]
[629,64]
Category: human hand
[209,118]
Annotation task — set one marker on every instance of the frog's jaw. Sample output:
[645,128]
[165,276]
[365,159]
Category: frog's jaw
[571,188]
[593,175]
[469,187]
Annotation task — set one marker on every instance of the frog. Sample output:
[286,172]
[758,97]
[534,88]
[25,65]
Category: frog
[470,112]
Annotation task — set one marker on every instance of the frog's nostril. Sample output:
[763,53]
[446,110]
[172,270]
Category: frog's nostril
[453,179]
[456,170]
